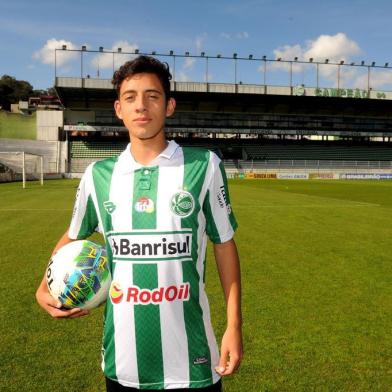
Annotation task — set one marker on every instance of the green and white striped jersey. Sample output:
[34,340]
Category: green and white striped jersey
[155,220]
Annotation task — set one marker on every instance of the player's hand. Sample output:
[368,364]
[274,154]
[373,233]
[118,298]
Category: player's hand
[54,307]
[231,351]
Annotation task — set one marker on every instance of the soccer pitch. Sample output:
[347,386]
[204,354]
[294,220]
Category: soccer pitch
[317,289]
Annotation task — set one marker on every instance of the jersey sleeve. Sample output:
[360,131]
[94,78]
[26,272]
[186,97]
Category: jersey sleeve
[220,221]
[84,218]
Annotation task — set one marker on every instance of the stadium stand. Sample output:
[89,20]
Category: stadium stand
[319,151]
[95,149]
[258,155]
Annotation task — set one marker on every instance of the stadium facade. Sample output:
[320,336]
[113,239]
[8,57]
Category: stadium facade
[253,127]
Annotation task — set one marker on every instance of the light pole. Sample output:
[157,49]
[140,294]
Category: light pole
[81,61]
[235,67]
[265,70]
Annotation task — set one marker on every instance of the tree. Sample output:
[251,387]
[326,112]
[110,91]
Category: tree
[13,90]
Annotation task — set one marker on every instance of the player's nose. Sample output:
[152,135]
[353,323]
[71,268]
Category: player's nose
[141,104]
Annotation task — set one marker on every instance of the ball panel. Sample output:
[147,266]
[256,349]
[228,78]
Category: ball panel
[78,275]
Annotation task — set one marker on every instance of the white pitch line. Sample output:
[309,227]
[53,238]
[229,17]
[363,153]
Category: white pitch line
[34,209]
[309,205]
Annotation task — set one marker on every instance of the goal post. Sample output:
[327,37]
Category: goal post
[21,166]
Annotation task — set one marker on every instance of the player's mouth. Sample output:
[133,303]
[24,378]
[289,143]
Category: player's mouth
[142,120]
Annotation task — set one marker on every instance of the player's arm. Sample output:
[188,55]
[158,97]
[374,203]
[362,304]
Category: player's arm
[227,261]
[46,301]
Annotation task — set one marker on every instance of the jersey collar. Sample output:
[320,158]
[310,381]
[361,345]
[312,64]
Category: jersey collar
[127,163]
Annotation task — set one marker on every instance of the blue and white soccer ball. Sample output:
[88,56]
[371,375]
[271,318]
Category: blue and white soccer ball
[78,275]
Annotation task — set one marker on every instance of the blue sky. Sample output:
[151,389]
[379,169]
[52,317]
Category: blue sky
[338,30]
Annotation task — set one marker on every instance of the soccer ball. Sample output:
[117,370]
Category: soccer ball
[78,275]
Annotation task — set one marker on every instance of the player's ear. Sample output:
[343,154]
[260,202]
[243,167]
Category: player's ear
[117,108]
[170,107]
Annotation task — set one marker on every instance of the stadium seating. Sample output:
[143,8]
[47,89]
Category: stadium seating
[95,149]
[260,155]
[318,151]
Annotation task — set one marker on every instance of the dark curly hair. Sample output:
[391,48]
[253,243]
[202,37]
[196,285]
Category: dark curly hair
[143,64]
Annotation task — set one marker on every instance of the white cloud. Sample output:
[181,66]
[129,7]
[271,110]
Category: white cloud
[105,60]
[200,41]
[225,35]
[240,35]
[189,63]
[378,80]
[47,53]
[182,77]
[335,48]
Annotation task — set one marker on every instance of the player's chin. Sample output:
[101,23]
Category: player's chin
[147,135]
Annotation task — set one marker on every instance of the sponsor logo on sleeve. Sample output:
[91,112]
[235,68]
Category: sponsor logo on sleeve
[222,199]
[182,204]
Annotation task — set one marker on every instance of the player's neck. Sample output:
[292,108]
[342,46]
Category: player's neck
[145,151]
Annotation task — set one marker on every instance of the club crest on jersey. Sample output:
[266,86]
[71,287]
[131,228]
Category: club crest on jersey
[144,204]
[182,204]
[109,206]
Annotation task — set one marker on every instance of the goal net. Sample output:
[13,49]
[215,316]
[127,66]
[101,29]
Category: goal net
[21,166]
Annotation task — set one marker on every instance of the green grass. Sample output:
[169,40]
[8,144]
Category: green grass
[17,126]
[317,289]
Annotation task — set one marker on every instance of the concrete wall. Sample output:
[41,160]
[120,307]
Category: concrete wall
[48,124]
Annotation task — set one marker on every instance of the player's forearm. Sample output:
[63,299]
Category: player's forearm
[227,260]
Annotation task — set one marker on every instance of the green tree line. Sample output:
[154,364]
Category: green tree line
[13,91]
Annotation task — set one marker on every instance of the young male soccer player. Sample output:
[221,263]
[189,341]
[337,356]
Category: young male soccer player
[155,205]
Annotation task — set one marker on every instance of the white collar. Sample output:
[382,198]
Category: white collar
[127,162]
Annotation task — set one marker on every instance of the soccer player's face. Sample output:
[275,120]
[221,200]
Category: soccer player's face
[142,106]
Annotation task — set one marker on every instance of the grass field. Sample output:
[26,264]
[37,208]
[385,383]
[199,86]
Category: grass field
[317,289]
[17,126]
